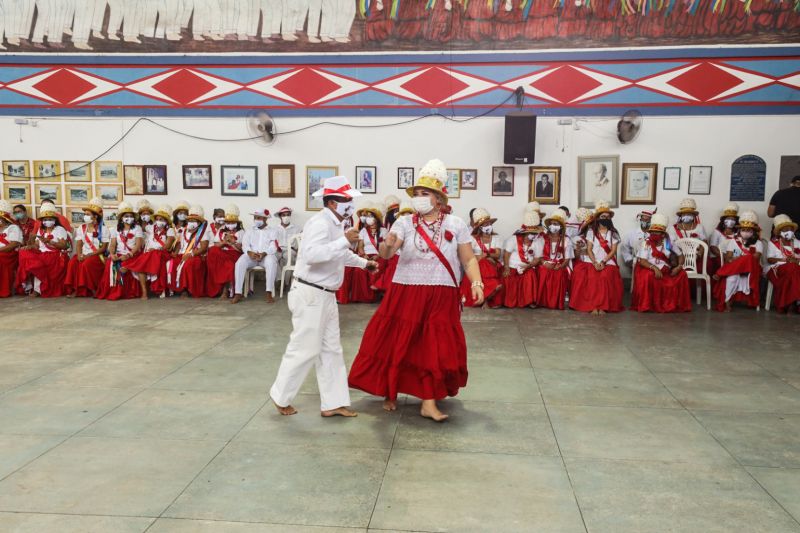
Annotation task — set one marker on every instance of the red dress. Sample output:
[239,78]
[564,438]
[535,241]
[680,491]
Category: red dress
[48,267]
[9,261]
[411,19]
[188,272]
[478,21]
[670,294]
[491,277]
[220,263]
[785,280]
[442,25]
[114,284]
[508,24]
[520,289]
[153,262]
[599,289]
[552,284]
[379,24]
[747,263]
[83,277]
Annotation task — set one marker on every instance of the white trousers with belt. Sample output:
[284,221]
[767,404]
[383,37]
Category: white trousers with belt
[245,262]
[315,341]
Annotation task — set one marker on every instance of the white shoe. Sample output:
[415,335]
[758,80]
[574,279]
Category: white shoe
[288,36]
[134,40]
[173,37]
[198,38]
[97,35]
[327,39]
[82,46]
[342,39]
[13,41]
[313,39]
[113,37]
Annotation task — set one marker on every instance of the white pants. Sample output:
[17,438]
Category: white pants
[115,15]
[315,340]
[45,13]
[736,283]
[133,13]
[272,11]
[244,263]
[314,10]
[345,13]
[328,24]
[24,19]
[300,14]
[248,17]
[147,19]
[84,13]
[2,20]
[98,16]
[289,13]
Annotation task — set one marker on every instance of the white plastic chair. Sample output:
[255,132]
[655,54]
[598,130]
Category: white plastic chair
[689,249]
[291,259]
[249,279]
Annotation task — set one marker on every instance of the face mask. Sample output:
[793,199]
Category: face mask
[363,219]
[19,216]
[232,226]
[729,222]
[422,204]
[644,225]
[554,228]
[181,216]
[145,218]
[606,223]
[88,219]
[687,219]
[258,223]
[746,234]
[787,234]
[370,221]
[161,223]
[49,223]
[127,220]
[219,220]
[344,209]
[192,226]
[656,237]
[487,229]
[285,219]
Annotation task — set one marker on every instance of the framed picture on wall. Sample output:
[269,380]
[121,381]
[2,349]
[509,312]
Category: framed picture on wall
[281,181]
[110,194]
[700,180]
[315,176]
[453,185]
[544,185]
[16,170]
[134,179]
[598,179]
[672,179]
[238,180]
[405,177]
[47,191]
[77,171]
[75,215]
[367,179]
[110,217]
[196,176]
[47,170]
[502,181]
[17,193]
[108,171]
[155,179]
[639,183]
[78,194]
[469,179]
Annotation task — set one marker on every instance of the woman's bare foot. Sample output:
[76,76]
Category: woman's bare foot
[71,295]
[285,411]
[339,411]
[144,297]
[184,294]
[34,294]
[389,405]
[430,410]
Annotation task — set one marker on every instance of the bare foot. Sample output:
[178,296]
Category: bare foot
[33,294]
[224,295]
[236,299]
[430,410]
[144,297]
[389,405]
[270,299]
[72,295]
[339,411]
[184,294]
[285,411]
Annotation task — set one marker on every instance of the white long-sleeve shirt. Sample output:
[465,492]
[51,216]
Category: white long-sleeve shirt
[631,244]
[324,252]
[260,241]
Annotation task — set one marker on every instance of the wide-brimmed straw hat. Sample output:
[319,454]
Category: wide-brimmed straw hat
[433,177]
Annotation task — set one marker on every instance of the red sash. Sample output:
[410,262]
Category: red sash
[158,237]
[484,249]
[548,251]
[435,249]
[658,254]
[371,239]
[603,243]
[43,239]
[793,252]
[682,235]
[745,251]
[521,248]
[3,240]
[124,240]
[90,242]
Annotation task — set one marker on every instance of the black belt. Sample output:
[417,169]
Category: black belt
[304,282]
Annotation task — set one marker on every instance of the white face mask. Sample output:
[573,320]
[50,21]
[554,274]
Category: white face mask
[554,228]
[487,229]
[231,225]
[344,209]
[422,204]
[161,223]
[192,226]
[49,223]
[127,220]
[729,222]
[145,218]
[687,219]
[370,221]
[181,216]
[363,219]
[787,234]
[746,234]
[258,223]
[88,219]
[219,220]
[285,219]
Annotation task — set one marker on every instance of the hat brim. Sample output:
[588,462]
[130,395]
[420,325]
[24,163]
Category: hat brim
[8,218]
[410,192]
[694,212]
[556,220]
[351,193]
[785,225]
[482,222]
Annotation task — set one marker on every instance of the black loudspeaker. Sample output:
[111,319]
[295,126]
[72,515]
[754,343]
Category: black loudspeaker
[520,139]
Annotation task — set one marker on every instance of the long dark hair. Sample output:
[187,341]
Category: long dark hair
[754,239]
[612,228]
[121,224]
[721,226]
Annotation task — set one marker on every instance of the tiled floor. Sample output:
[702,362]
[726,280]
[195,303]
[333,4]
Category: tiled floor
[132,417]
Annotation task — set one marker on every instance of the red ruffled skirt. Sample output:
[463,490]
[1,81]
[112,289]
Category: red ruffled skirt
[552,287]
[343,294]
[602,289]
[152,263]
[492,285]
[581,296]
[669,294]
[414,344]
[379,25]
[362,281]
[125,286]
[191,277]
[220,264]
[520,289]
[785,285]
[385,278]
[83,277]
[49,267]
[745,264]
[9,262]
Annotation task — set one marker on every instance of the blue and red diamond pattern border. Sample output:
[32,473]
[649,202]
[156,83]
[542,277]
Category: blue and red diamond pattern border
[677,81]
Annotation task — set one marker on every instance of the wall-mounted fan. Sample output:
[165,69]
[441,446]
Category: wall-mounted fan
[262,128]
[629,126]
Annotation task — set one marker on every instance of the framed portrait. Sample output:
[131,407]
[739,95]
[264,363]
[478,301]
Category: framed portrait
[78,194]
[155,179]
[315,175]
[545,185]
[469,179]
[17,193]
[639,183]
[700,180]
[110,194]
[16,170]
[47,191]
[109,217]
[77,171]
[134,179]
[598,179]
[197,177]
[75,215]
[405,177]
[281,181]
[108,171]
[59,209]
[672,179]
[47,170]
[367,179]
[453,183]
[502,181]
[238,180]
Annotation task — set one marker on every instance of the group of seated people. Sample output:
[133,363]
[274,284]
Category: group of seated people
[148,251]
[552,261]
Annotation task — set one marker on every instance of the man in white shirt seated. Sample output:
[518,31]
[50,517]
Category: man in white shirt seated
[260,247]
[632,242]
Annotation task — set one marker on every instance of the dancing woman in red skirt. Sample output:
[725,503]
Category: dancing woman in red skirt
[488,249]
[10,240]
[150,267]
[414,343]
[783,257]
[85,269]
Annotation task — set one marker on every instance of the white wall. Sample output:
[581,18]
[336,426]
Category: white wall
[669,141]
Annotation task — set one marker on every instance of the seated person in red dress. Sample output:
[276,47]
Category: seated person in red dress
[553,275]
[783,272]
[189,259]
[522,256]
[688,227]
[656,286]
[740,275]
[725,231]
[127,242]
[488,249]
[85,269]
[10,240]
[145,211]
[150,267]
[223,252]
[582,264]
[25,223]
[43,264]
[603,289]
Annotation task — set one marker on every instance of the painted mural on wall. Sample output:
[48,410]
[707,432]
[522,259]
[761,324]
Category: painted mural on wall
[358,25]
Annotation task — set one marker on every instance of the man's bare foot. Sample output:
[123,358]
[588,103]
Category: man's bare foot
[236,298]
[339,411]
[285,411]
[389,405]
[270,299]
[430,410]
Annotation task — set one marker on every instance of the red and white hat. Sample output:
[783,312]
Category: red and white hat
[261,213]
[647,212]
[337,186]
[283,211]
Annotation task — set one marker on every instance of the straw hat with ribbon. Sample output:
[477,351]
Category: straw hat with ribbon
[602,207]
[182,205]
[48,210]
[558,216]
[337,186]
[530,223]
[7,212]
[232,213]
[283,211]
[196,214]
[687,207]
[95,206]
[433,177]
[658,223]
[730,210]
[125,208]
[405,208]
[164,211]
[481,216]
[748,219]
[144,206]
[782,222]
[391,202]
[373,209]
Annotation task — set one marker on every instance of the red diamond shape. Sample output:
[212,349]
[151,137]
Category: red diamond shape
[184,86]
[704,82]
[434,85]
[64,86]
[565,84]
[307,86]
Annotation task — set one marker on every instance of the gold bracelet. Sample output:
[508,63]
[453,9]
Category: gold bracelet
[477,284]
